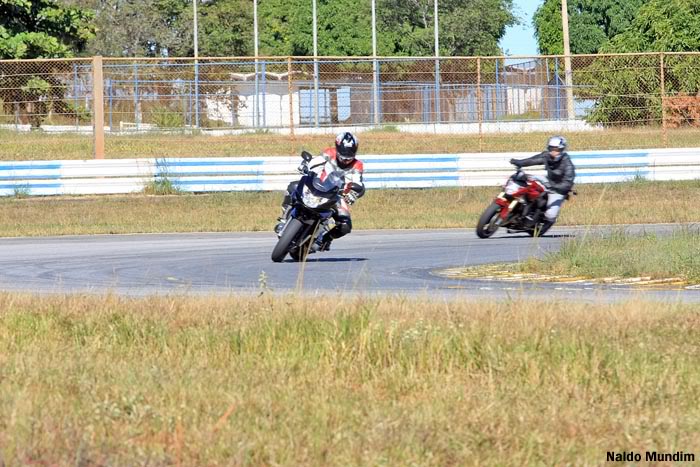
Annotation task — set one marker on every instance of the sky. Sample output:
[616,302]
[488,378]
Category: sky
[520,40]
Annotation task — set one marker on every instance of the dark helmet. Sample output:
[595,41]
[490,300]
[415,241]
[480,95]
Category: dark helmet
[345,148]
[556,142]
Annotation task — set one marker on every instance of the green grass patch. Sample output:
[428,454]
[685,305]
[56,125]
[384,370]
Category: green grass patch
[269,380]
[161,186]
[625,255]
[622,203]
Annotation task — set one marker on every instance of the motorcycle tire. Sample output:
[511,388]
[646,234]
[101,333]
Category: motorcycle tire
[484,228]
[300,253]
[289,234]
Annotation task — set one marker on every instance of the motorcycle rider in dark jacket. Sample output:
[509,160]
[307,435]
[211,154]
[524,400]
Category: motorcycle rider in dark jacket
[560,177]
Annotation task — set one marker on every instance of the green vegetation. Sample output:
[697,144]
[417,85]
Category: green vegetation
[661,26]
[624,203]
[43,146]
[42,29]
[38,29]
[624,255]
[161,186]
[270,380]
[591,24]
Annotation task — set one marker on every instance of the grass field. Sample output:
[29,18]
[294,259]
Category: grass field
[42,146]
[622,255]
[270,380]
[622,203]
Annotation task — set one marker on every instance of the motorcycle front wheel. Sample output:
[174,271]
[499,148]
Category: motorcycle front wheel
[300,253]
[487,224]
[289,234]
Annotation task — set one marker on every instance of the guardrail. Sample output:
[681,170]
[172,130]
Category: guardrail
[116,176]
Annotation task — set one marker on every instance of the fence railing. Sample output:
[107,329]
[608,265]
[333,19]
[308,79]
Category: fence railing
[37,178]
[283,94]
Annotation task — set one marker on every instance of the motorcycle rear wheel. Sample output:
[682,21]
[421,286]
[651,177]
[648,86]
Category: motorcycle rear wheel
[487,222]
[289,234]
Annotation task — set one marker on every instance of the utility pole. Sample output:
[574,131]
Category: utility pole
[315,37]
[568,78]
[256,111]
[437,66]
[196,32]
[196,65]
[375,65]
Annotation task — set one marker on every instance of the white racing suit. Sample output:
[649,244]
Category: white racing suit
[341,213]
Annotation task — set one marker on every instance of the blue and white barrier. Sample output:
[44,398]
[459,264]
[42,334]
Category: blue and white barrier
[115,176]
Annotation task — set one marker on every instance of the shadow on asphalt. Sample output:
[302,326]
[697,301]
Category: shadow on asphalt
[521,235]
[329,260]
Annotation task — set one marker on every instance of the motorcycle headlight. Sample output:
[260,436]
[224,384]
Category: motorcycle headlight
[511,187]
[311,200]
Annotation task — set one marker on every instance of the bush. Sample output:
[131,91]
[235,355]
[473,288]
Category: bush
[682,110]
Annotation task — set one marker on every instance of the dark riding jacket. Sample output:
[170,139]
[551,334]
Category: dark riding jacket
[560,173]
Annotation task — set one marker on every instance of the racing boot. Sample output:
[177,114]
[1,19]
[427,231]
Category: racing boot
[546,225]
[322,243]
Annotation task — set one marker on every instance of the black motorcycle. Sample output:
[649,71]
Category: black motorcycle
[311,208]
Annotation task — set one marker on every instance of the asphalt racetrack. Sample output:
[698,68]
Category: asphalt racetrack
[402,262]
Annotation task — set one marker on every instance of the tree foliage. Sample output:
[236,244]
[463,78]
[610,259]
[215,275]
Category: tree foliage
[404,27]
[42,29]
[38,29]
[630,86]
[661,26]
[591,24]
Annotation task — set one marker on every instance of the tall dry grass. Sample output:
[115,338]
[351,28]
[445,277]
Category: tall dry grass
[623,255]
[289,380]
[623,203]
[41,146]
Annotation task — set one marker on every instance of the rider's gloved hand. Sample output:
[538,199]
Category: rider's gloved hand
[351,197]
[515,162]
[303,168]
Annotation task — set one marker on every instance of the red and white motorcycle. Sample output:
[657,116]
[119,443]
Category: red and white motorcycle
[519,207]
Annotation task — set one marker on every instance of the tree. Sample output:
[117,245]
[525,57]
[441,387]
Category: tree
[137,28]
[466,28]
[38,29]
[661,26]
[153,28]
[630,85]
[42,29]
[226,28]
[344,27]
[404,27]
[591,24]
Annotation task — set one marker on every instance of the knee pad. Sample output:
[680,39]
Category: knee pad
[345,227]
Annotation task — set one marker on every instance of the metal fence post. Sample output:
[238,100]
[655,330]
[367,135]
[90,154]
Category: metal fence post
[256,111]
[662,76]
[196,93]
[291,98]
[478,102]
[263,78]
[189,102]
[437,89]
[98,114]
[498,93]
[110,94]
[557,80]
[75,95]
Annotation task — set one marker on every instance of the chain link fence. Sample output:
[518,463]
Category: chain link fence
[295,96]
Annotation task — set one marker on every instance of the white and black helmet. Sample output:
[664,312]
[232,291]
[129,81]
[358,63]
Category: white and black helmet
[345,147]
[557,142]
